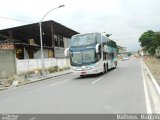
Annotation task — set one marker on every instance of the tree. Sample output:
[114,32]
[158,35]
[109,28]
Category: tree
[129,53]
[148,40]
[157,41]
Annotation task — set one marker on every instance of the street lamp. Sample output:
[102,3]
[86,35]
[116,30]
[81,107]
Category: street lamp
[41,41]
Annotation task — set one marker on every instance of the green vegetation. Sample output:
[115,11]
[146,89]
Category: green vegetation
[150,40]
[20,81]
[129,54]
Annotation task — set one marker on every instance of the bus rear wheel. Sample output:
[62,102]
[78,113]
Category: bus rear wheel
[115,64]
[107,68]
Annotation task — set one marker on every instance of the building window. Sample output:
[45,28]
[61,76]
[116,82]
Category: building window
[55,40]
[61,42]
[58,41]
[50,53]
[20,52]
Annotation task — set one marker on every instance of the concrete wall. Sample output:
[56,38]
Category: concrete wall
[66,42]
[33,64]
[37,55]
[7,63]
[25,54]
[26,64]
[59,52]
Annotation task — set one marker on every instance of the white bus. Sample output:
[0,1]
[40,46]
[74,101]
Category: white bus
[91,53]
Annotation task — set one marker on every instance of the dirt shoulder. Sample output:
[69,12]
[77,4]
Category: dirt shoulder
[154,66]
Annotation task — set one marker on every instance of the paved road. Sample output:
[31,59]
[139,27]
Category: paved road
[119,91]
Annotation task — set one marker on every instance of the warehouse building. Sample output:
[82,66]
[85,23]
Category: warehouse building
[26,39]
[21,51]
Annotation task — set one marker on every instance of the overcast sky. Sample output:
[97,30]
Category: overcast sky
[126,20]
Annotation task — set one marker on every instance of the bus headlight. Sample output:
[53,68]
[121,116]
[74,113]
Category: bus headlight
[91,67]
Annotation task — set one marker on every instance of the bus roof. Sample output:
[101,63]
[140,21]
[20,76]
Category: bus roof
[110,42]
[87,33]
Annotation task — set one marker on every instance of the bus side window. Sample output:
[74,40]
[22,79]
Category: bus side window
[98,56]
[104,55]
[112,55]
[98,38]
[107,56]
[104,39]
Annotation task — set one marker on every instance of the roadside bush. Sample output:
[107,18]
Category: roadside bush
[52,69]
[9,81]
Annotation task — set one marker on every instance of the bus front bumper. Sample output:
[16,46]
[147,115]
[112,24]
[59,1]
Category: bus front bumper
[86,72]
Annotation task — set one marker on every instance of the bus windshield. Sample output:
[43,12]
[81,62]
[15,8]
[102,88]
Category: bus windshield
[83,40]
[83,57]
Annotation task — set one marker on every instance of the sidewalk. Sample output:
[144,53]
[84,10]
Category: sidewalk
[153,65]
[152,77]
[152,91]
[37,79]
[32,80]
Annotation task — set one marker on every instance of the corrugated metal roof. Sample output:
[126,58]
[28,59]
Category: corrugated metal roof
[32,31]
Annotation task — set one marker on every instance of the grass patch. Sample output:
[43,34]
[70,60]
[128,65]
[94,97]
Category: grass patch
[9,82]
[154,66]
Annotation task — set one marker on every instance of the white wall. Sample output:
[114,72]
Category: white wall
[37,55]
[33,64]
[66,42]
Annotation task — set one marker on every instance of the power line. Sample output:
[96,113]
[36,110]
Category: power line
[16,20]
[126,38]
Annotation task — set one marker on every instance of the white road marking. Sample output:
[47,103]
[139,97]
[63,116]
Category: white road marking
[33,118]
[97,80]
[153,80]
[57,83]
[146,92]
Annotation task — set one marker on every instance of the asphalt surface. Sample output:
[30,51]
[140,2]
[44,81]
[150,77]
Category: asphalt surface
[121,90]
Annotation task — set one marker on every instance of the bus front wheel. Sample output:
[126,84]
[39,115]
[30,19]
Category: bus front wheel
[82,75]
[104,69]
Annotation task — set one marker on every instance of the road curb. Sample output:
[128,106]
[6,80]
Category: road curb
[40,79]
[1,89]
[49,77]
[153,79]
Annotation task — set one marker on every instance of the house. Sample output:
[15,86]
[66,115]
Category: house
[121,51]
[157,52]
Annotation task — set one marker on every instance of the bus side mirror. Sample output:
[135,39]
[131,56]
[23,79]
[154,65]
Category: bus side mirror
[66,52]
[97,48]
